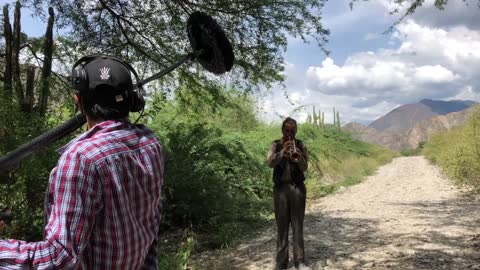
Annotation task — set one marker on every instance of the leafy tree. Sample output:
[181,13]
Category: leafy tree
[27,92]
[153,32]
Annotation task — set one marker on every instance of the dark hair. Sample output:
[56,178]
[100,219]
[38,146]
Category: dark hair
[101,103]
[289,120]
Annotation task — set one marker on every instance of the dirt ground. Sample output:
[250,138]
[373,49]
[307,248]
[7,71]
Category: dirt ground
[406,216]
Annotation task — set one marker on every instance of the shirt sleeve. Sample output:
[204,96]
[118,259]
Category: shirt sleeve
[70,223]
[273,157]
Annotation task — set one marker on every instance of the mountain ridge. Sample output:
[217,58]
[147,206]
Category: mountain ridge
[420,122]
[406,116]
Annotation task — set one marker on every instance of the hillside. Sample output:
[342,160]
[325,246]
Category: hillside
[424,130]
[408,125]
[408,115]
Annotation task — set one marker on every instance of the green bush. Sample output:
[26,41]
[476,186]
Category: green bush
[25,193]
[207,175]
[457,152]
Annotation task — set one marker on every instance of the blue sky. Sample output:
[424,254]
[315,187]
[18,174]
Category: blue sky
[31,25]
[432,54]
[348,29]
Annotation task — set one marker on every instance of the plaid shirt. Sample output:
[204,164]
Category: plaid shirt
[103,204]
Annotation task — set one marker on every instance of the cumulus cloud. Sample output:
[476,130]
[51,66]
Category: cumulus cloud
[428,63]
[301,100]
[433,74]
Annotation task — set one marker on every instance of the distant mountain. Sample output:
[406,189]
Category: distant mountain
[408,125]
[356,127]
[389,139]
[424,130]
[406,116]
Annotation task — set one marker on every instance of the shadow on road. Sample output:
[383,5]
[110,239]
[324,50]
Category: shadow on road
[445,239]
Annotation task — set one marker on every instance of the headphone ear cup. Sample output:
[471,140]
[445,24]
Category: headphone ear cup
[138,102]
[80,80]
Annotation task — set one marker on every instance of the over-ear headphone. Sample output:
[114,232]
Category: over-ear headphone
[81,83]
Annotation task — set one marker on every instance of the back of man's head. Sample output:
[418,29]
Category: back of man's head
[110,90]
[101,103]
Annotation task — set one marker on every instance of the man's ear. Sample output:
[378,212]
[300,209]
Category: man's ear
[78,103]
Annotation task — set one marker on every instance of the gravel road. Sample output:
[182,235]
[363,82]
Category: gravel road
[406,216]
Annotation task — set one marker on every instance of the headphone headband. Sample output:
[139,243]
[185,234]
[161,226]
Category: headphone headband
[89,58]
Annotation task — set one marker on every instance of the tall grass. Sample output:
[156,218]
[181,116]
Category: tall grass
[457,152]
[341,160]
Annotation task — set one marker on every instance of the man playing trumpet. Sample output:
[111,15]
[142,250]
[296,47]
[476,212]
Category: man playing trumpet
[288,157]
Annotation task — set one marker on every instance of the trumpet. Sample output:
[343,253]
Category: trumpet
[293,154]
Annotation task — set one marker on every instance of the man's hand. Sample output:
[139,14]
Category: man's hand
[286,148]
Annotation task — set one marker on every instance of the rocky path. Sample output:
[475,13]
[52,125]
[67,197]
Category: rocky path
[406,216]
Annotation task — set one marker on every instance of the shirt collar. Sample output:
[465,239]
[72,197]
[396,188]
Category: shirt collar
[89,133]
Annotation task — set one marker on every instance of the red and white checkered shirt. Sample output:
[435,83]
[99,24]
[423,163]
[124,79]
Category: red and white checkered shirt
[103,204]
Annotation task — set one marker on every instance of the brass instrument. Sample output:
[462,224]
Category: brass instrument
[293,153]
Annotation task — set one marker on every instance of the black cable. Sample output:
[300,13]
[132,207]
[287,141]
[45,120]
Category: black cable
[8,161]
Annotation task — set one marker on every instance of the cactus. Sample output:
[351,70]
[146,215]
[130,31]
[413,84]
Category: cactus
[334,117]
[309,119]
[338,119]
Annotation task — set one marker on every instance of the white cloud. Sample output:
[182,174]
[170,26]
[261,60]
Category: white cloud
[467,93]
[365,74]
[428,63]
[297,97]
[435,74]
[285,101]
[300,103]
[436,56]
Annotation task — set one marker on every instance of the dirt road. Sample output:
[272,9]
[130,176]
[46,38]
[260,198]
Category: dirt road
[406,216]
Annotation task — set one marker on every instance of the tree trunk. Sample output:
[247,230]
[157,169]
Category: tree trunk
[47,63]
[29,98]
[15,55]
[7,30]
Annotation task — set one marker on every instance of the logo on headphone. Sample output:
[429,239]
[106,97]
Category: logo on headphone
[104,73]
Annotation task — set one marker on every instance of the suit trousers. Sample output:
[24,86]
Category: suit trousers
[289,204]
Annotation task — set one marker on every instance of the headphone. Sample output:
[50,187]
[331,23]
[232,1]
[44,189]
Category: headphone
[81,84]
